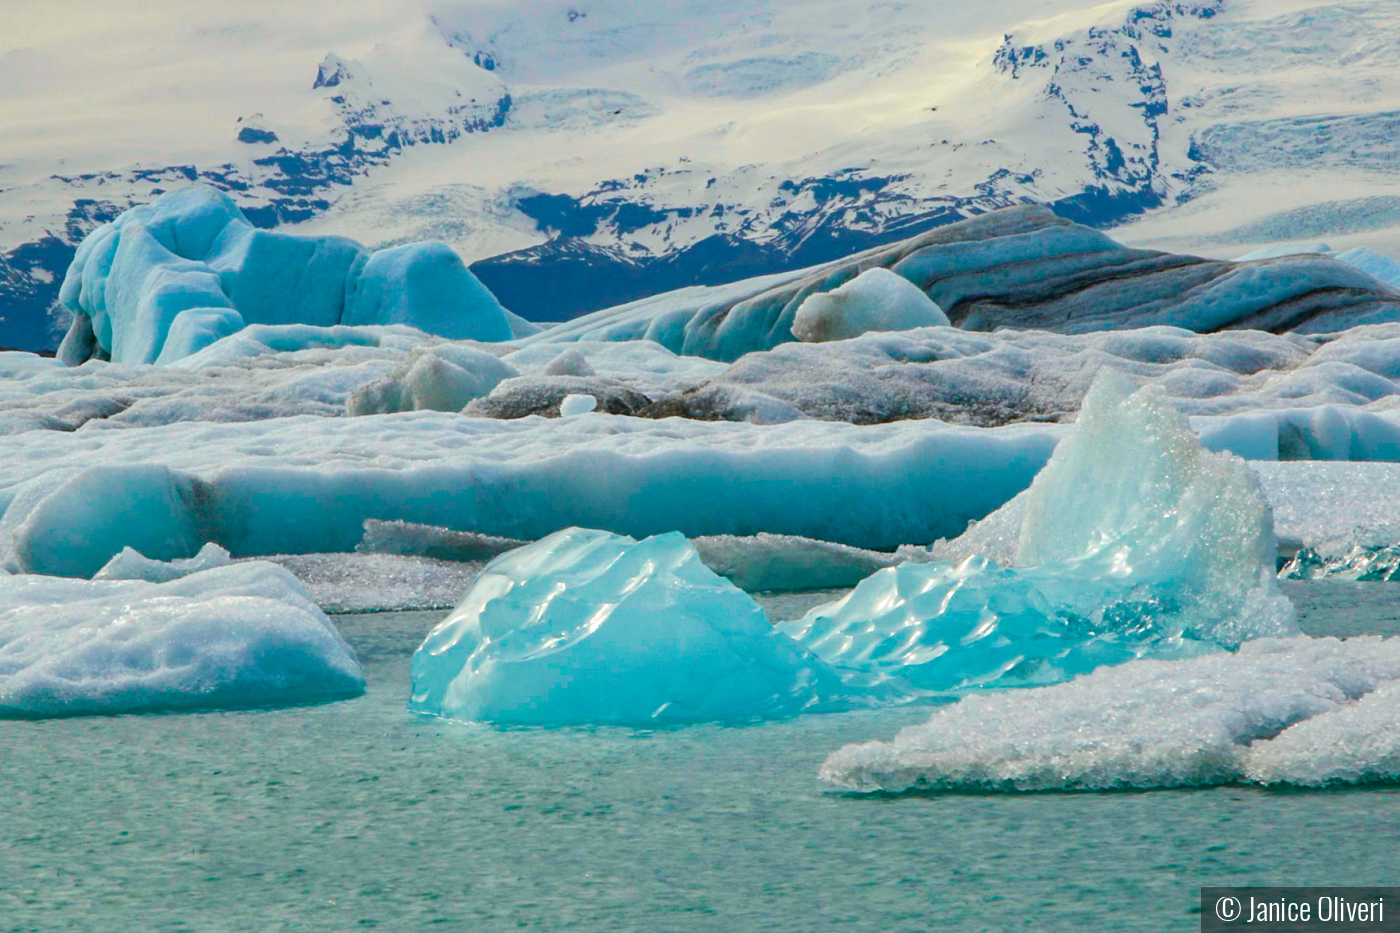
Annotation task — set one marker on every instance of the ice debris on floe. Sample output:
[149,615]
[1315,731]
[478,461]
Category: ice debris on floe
[580,404]
[877,299]
[1304,711]
[241,635]
[131,564]
[591,627]
[166,279]
[444,377]
[1135,541]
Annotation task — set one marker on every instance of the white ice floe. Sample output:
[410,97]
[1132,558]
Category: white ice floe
[589,627]
[242,635]
[1307,711]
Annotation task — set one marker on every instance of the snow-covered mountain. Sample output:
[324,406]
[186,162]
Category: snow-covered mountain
[583,154]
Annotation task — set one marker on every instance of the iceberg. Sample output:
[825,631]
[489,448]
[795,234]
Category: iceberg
[305,485]
[234,636]
[131,564]
[1302,711]
[1020,267]
[591,627]
[877,299]
[167,279]
[1133,541]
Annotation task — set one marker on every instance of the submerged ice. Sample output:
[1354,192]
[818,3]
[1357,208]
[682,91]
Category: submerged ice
[1135,541]
[591,627]
[232,636]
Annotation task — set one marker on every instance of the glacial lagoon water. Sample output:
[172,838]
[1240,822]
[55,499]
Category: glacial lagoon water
[357,815]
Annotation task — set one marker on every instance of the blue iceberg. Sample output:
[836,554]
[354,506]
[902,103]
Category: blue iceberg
[591,627]
[166,279]
[1135,542]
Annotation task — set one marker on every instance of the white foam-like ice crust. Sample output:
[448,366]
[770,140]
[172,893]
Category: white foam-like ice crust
[590,627]
[165,280]
[1304,711]
[1133,541]
[243,635]
[380,582]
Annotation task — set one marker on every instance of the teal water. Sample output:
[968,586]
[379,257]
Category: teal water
[355,815]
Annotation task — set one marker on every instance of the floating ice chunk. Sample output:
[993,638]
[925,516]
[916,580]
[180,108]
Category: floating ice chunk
[243,635]
[379,582]
[577,405]
[1355,744]
[776,563]
[1132,498]
[569,363]
[590,627]
[130,564]
[937,628]
[1369,555]
[1138,540]
[1276,710]
[408,538]
[877,299]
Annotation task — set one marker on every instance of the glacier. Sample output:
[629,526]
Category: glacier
[587,627]
[165,280]
[232,636]
[1133,541]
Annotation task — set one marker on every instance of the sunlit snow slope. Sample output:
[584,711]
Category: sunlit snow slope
[601,150]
